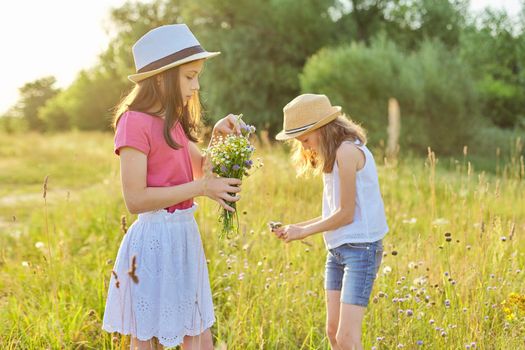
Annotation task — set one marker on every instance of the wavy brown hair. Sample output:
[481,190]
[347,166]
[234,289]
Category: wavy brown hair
[146,94]
[330,138]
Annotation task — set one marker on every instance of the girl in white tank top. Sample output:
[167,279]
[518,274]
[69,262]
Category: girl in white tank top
[353,219]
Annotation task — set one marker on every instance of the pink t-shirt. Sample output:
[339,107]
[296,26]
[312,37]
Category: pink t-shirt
[166,166]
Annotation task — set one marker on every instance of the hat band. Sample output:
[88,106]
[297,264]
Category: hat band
[179,55]
[302,128]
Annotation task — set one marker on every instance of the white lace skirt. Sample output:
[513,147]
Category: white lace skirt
[170,296]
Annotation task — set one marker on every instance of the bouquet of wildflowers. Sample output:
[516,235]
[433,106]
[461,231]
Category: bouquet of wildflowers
[230,156]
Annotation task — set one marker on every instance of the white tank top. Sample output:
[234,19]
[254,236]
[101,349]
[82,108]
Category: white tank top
[369,224]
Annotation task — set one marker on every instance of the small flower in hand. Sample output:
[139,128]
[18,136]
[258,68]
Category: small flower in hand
[277,228]
[273,225]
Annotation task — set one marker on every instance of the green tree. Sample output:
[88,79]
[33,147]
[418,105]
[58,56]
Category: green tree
[435,91]
[86,104]
[12,122]
[54,114]
[496,48]
[33,96]
[264,46]
[406,22]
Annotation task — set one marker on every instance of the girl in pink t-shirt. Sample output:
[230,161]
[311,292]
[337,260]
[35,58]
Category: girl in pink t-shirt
[159,291]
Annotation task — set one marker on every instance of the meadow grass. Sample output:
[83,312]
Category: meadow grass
[454,254]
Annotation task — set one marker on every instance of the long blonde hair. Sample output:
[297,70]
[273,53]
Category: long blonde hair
[330,138]
[147,93]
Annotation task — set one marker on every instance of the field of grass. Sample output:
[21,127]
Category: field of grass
[466,292]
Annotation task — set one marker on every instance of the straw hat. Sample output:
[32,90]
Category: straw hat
[306,113]
[166,47]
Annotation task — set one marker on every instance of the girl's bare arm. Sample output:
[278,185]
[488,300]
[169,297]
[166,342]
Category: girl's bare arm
[348,157]
[227,125]
[140,198]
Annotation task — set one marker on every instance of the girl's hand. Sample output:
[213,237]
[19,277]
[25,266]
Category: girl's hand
[228,125]
[219,189]
[291,233]
[278,232]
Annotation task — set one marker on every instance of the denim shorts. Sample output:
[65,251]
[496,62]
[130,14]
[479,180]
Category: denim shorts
[352,268]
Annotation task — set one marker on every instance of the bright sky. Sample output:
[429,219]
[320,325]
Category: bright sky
[61,37]
[49,37]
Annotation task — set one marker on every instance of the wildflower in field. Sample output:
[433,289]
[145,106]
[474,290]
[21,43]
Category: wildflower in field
[230,157]
[117,282]
[15,234]
[410,221]
[419,343]
[440,222]
[25,263]
[133,269]
[39,245]
[123,224]
[386,270]
[513,306]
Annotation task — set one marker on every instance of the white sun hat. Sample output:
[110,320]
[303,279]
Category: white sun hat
[166,47]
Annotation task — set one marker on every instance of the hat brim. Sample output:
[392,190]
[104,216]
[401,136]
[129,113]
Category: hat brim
[198,56]
[283,136]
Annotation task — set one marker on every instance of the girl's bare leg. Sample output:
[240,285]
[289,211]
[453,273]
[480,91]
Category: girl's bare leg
[332,316]
[350,324]
[202,341]
[152,344]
